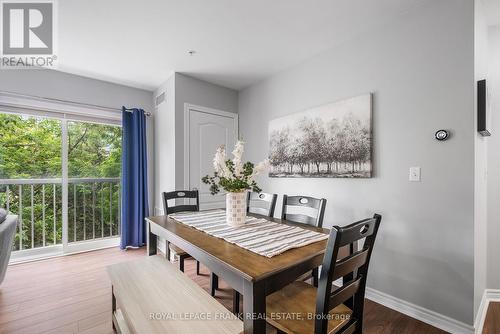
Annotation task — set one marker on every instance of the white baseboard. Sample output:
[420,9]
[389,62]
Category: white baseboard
[430,317]
[489,295]
[481,313]
[158,211]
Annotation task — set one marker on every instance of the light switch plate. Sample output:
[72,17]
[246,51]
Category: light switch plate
[414,174]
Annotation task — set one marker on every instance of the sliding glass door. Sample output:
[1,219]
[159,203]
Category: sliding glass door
[94,164]
[31,179]
[62,178]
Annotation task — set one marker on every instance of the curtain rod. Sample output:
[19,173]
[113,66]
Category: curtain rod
[147,113]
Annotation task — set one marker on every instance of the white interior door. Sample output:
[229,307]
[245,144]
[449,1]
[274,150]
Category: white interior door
[207,130]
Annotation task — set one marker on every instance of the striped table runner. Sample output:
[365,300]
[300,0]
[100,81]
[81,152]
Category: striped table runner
[258,235]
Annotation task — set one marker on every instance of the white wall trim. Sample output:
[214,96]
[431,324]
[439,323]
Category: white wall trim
[489,295]
[41,106]
[430,317]
[187,109]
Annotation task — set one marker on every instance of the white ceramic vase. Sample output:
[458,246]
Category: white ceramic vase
[236,208]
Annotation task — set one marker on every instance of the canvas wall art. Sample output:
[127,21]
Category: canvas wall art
[333,140]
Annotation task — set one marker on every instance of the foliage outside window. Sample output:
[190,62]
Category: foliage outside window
[30,148]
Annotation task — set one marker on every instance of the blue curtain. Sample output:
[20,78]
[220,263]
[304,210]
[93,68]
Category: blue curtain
[134,206]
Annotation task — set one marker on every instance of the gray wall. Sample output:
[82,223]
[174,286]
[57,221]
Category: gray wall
[195,91]
[493,276]
[74,88]
[421,73]
[164,124]
[59,85]
[169,125]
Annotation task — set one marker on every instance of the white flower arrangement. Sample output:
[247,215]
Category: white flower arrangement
[234,175]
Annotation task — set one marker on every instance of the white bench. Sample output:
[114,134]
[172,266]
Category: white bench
[152,296]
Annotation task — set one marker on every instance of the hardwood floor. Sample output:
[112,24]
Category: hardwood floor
[492,320]
[72,294]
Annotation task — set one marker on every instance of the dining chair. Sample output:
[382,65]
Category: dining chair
[261,203]
[329,308]
[169,209]
[186,194]
[304,210]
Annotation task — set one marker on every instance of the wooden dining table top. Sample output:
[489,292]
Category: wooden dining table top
[247,264]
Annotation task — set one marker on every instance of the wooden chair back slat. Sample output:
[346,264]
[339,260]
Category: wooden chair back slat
[349,328]
[344,292]
[181,208]
[357,232]
[261,203]
[259,211]
[180,194]
[303,219]
[306,202]
[350,263]
[353,270]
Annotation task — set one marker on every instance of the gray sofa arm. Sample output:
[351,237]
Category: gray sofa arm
[7,233]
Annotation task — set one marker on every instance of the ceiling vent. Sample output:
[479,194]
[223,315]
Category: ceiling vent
[160,98]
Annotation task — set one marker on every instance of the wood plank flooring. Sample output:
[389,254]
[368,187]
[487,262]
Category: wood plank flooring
[72,294]
[492,320]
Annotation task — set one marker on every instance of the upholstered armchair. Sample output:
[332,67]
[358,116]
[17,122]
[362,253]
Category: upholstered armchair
[8,225]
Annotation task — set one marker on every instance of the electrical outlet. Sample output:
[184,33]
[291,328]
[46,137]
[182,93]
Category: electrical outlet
[414,174]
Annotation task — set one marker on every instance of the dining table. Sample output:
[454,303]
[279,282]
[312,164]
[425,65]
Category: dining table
[254,276]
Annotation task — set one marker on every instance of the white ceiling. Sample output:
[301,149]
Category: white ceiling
[238,42]
[492,11]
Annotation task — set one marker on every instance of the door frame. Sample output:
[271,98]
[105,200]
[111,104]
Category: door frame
[188,107]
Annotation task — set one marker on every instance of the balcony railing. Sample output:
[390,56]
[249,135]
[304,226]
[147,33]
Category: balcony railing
[93,209]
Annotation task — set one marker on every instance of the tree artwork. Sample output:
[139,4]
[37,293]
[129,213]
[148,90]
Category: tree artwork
[332,140]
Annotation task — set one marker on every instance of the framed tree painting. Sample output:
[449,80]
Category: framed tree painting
[332,140]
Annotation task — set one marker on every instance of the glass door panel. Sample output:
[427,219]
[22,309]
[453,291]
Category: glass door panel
[30,179]
[94,166]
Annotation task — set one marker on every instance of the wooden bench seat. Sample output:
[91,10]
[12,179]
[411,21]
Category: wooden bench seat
[152,296]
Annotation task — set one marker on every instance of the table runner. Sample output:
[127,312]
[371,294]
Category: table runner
[258,235]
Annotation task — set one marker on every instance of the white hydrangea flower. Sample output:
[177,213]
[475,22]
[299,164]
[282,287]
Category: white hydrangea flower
[237,182]
[238,153]
[220,162]
[261,167]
